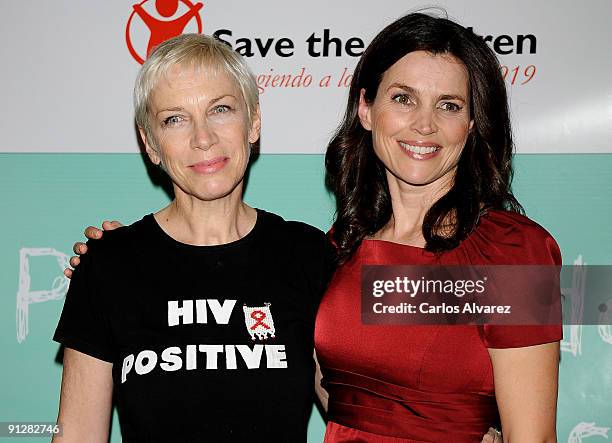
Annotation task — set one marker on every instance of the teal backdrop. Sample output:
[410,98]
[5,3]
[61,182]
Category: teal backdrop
[47,200]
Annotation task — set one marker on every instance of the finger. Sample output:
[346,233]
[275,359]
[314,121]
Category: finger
[496,435]
[68,273]
[111,225]
[93,233]
[75,261]
[488,438]
[79,248]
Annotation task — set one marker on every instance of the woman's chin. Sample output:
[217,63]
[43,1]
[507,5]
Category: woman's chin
[210,191]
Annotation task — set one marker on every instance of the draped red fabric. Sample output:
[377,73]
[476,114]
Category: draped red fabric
[390,383]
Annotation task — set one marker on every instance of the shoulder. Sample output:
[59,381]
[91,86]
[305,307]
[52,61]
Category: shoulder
[303,243]
[306,233]
[515,225]
[518,238]
[296,231]
[119,240]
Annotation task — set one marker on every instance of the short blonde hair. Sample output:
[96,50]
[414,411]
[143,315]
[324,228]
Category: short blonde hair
[191,50]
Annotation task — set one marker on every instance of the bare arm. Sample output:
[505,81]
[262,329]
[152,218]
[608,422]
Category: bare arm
[526,383]
[91,233]
[322,394]
[85,399]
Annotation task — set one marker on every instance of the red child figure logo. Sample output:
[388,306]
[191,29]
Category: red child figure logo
[162,30]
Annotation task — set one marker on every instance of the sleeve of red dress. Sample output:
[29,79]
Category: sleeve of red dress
[534,246]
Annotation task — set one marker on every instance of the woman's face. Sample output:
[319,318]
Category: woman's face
[420,119]
[199,121]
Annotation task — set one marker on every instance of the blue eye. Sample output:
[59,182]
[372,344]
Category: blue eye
[221,109]
[172,120]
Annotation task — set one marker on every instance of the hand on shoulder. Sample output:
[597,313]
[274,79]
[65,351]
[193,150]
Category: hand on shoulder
[91,233]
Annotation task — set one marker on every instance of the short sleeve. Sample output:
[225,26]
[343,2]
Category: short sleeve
[83,324]
[537,247]
[316,257]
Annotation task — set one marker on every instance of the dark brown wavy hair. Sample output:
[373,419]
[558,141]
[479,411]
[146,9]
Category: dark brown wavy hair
[484,172]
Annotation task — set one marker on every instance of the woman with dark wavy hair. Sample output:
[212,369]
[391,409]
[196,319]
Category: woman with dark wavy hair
[421,168]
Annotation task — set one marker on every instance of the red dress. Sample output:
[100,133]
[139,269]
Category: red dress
[422,383]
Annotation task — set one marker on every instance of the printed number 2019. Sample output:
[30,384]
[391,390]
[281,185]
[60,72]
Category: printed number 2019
[516,74]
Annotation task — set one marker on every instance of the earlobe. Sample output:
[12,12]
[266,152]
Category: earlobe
[153,156]
[152,153]
[255,128]
[364,111]
[471,126]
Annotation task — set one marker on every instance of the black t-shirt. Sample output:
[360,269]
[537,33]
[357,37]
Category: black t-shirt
[208,343]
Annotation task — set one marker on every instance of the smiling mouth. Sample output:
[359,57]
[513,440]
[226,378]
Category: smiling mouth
[210,166]
[419,149]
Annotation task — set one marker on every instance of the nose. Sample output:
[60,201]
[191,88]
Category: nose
[424,121]
[204,136]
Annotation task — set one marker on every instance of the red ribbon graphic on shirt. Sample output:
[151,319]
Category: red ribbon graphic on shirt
[259,316]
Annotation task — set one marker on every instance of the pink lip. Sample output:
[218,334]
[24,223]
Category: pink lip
[210,166]
[416,155]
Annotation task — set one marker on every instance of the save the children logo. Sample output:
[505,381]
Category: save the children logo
[154,21]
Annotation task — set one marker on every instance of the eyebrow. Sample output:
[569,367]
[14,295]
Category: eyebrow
[411,90]
[180,108]
[170,110]
[214,100]
[452,97]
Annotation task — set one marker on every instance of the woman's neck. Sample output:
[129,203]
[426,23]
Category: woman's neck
[409,205]
[207,223]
